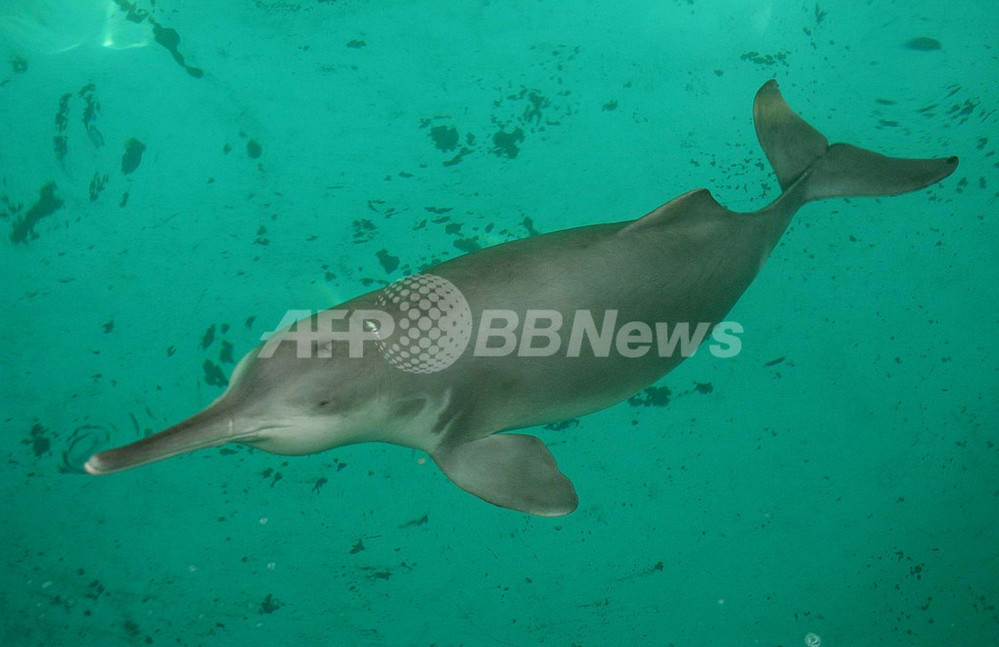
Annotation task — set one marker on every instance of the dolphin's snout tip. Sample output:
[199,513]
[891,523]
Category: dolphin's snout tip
[93,465]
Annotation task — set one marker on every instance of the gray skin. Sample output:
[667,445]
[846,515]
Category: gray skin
[688,261]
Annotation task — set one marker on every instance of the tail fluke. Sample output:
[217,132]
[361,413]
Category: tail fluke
[847,170]
[796,151]
[790,143]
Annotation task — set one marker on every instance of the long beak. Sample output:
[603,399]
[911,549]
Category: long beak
[210,428]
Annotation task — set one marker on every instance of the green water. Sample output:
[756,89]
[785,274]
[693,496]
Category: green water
[175,176]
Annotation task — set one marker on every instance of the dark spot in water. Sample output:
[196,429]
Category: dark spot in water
[536,102]
[254,149]
[610,105]
[39,440]
[97,183]
[225,355]
[60,142]
[270,605]
[91,110]
[208,337]
[364,230]
[467,245]
[457,158]
[706,387]
[109,326]
[505,144]
[60,147]
[416,522]
[214,375]
[23,228]
[96,590]
[923,44]
[62,115]
[654,396]
[18,64]
[170,39]
[445,137]
[357,44]
[563,425]
[358,547]
[389,263]
[132,12]
[132,628]
[765,59]
[961,112]
[775,362]
[132,157]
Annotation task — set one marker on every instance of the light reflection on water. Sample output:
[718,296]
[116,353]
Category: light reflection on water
[51,27]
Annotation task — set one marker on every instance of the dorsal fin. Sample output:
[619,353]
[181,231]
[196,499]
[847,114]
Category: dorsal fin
[695,204]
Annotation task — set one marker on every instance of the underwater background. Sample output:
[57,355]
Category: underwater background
[175,175]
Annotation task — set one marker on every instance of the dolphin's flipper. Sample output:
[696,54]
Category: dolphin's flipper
[796,150]
[512,471]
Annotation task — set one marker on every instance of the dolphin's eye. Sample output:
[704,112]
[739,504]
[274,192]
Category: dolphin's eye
[328,405]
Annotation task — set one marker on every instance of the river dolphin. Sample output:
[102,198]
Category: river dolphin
[686,262]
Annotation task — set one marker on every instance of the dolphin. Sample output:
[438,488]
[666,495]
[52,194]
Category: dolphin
[687,261]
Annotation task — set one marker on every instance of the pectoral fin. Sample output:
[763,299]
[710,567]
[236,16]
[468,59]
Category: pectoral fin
[512,471]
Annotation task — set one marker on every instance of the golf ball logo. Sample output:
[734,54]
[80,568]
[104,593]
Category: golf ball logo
[433,324]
